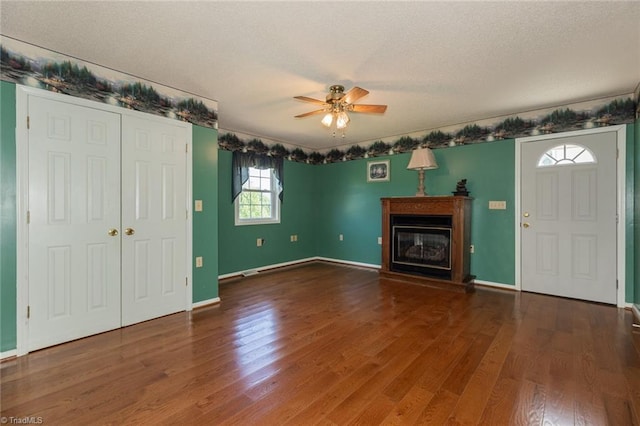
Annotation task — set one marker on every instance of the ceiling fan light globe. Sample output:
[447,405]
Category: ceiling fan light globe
[342,120]
[327,120]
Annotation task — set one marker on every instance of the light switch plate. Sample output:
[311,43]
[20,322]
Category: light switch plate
[497,205]
[199,262]
[198,205]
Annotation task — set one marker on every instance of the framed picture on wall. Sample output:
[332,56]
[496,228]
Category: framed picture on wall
[378,171]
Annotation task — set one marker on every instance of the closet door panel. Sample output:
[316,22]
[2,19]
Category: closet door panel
[153,219]
[73,203]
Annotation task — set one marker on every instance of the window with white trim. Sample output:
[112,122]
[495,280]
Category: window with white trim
[258,203]
[566,154]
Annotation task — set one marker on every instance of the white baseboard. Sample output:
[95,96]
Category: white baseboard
[348,262]
[204,303]
[266,268]
[635,309]
[296,262]
[8,354]
[497,285]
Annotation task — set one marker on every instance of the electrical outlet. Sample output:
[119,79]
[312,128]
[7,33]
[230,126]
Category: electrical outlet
[341,237]
[199,262]
[291,238]
[380,240]
[198,205]
[295,238]
[259,242]
[472,248]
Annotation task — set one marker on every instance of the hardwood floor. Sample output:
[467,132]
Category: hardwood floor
[331,345]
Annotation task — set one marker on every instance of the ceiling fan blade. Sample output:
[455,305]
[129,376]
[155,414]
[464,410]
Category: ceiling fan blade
[313,101]
[354,94]
[379,109]
[306,114]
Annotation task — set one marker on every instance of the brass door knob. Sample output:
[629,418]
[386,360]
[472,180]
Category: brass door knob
[112,232]
[129,231]
[525,225]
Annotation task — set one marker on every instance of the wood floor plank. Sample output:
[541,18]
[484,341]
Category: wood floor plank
[529,405]
[499,407]
[329,344]
[474,398]
[409,408]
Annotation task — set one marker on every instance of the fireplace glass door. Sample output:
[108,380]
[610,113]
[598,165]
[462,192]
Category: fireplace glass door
[422,249]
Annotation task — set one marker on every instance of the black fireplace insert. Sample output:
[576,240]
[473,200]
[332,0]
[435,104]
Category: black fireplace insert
[422,245]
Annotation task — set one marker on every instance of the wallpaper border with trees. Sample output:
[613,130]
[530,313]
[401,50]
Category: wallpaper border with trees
[30,65]
[27,64]
[595,113]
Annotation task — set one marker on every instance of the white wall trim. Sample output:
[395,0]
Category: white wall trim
[635,310]
[22,230]
[204,303]
[8,354]
[189,224]
[296,262]
[621,183]
[348,262]
[496,285]
[266,267]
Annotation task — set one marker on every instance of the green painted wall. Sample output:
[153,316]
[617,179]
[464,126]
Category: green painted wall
[237,245]
[7,216]
[348,205]
[205,223]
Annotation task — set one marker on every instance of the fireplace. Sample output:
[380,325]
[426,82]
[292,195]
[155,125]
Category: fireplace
[422,245]
[426,240]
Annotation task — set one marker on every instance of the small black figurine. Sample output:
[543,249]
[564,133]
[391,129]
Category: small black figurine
[461,188]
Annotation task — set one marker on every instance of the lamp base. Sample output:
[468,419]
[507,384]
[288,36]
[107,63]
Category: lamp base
[420,192]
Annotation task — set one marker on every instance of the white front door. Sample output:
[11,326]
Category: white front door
[568,216]
[73,203]
[154,219]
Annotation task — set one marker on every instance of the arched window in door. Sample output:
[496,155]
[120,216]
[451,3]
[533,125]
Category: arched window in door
[566,154]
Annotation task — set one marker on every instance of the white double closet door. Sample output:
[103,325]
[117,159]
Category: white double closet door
[107,227]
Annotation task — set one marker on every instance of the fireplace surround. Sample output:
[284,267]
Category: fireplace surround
[426,240]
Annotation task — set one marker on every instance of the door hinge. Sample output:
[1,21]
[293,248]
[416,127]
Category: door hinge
[186,214]
[28,312]
[616,284]
[28,217]
[186,147]
[28,123]
[186,281]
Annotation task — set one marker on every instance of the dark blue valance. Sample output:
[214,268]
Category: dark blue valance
[240,164]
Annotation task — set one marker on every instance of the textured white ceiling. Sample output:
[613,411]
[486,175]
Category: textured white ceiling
[433,63]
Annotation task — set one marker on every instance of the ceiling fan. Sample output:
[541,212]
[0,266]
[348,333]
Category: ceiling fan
[338,103]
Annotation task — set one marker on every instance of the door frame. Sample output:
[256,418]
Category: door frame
[22,197]
[621,143]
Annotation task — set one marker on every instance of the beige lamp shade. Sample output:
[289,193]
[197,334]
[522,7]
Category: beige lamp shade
[421,159]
